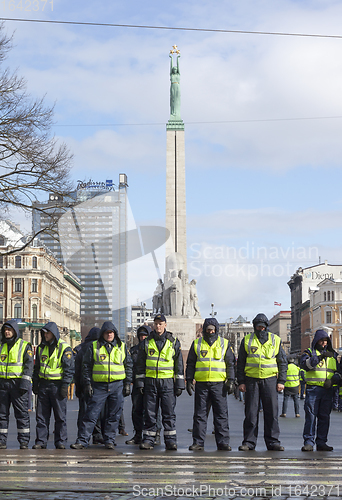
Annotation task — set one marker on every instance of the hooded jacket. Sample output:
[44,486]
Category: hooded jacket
[68,363]
[88,356]
[25,380]
[229,357]
[135,349]
[263,337]
[90,338]
[160,341]
[309,360]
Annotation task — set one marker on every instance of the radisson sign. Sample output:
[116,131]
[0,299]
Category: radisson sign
[108,185]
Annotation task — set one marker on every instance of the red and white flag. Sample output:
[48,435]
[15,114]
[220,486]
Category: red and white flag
[277,304]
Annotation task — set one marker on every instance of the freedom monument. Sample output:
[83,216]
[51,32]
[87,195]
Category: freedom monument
[176,298]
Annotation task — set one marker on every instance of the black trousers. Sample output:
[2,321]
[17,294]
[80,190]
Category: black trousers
[10,394]
[48,400]
[266,391]
[206,394]
[159,393]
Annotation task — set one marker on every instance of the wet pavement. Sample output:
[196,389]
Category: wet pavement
[130,473]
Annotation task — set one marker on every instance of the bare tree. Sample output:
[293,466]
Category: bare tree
[32,163]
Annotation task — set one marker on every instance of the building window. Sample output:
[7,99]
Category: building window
[328,317]
[34,312]
[333,296]
[34,262]
[17,311]
[17,285]
[2,241]
[1,312]
[18,262]
[1,261]
[1,284]
[328,296]
[34,285]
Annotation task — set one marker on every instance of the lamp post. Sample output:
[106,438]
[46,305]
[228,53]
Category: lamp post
[143,309]
[212,314]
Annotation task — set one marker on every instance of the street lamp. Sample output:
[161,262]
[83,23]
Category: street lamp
[212,314]
[143,309]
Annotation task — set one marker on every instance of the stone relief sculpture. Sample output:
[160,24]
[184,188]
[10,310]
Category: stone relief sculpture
[176,296]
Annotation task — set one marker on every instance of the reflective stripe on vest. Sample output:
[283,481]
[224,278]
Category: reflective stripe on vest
[11,363]
[210,364]
[261,358]
[108,367]
[159,364]
[292,376]
[51,367]
[324,370]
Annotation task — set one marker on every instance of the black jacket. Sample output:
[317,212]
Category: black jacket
[135,349]
[90,338]
[88,356]
[25,380]
[160,341]
[68,363]
[309,361]
[229,357]
[263,337]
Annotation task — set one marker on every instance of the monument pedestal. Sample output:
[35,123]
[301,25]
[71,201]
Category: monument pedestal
[185,329]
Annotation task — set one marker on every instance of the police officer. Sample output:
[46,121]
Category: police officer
[211,363]
[137,397]
[82,399]
[261,374]
[107,375]
[53,372]
[160,376]
[291,389]
[16,366]
[320,365]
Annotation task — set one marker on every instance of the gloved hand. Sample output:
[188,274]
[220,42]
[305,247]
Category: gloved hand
[35,387]
[88,391]
[229,386]
[327,383]
[63,391]
[335,379]
[326,354]
[190,387]
[141,390]
[126,390]
[178,392]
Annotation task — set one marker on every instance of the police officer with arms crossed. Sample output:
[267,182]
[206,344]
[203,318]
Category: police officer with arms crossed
[160,376]
[107,374]
[261,374]
[211,363]
[320,365]
[53,372]
[16,366]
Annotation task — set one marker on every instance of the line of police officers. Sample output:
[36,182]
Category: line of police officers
[105,371]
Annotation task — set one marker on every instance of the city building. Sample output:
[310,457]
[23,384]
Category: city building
[280,324]
[299,285]
[36,289]
[326,309]
[92,242]
[140,314]
[235,331]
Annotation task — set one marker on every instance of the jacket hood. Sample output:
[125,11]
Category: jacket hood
[321,334]
[52,327]
[108,325]
[260,318]
[13,324]
[93,335]
[145,328]
[210,339]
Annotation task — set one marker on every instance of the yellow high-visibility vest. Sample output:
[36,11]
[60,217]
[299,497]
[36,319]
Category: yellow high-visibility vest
[159,364]
[108,367]
[210,364]
[261,358]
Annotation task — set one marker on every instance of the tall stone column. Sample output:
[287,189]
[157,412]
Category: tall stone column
[175,190]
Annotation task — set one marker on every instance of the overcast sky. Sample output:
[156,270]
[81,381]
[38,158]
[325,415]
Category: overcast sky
[263,122]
